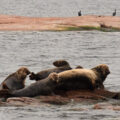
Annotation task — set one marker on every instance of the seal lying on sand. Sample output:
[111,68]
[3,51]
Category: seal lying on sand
[61,65]
[15,80]
[42,87]
[83,78]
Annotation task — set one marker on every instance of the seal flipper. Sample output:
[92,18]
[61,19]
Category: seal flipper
[60,63]
[32,76]
[79,67]
[5,86]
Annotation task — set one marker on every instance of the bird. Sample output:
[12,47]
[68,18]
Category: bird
[79,13]
[114,13]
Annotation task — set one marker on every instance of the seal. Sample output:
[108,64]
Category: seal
[83,78]
[60,66]
[15,80]
[42,87]
[68,80]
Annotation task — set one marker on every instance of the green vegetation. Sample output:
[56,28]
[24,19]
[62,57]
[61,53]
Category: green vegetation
[87,28]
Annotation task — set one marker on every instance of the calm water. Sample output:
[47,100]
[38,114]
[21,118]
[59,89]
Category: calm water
[48,8]
[37,51]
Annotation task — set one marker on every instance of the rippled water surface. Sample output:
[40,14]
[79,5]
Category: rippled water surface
[48,8]
[37,51]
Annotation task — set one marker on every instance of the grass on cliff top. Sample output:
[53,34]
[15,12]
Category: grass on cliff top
[87,28]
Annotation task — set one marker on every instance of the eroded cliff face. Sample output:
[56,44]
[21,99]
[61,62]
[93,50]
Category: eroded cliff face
[104,23]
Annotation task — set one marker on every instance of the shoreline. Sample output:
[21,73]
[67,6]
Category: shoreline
[79,23]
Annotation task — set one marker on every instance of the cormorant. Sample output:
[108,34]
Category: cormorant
[114,13]
[79,13]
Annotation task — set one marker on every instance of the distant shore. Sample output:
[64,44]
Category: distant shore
[89,22]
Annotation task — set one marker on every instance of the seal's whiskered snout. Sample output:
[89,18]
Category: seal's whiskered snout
[108,72]
[28,72]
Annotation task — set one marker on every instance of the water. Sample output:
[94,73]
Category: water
[48,8]
[37,50]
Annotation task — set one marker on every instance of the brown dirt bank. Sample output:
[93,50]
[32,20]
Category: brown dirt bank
[104,23]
